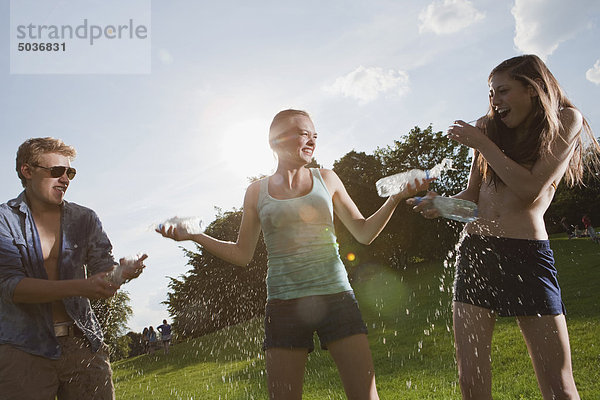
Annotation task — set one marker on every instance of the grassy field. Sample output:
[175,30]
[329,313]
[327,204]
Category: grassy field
[408,315]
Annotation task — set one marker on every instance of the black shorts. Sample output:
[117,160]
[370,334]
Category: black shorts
[513,277]
[291,324]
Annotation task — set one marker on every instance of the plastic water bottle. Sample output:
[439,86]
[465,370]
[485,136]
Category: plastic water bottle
[116,275]
[456,209]
[189,225]
[396,183]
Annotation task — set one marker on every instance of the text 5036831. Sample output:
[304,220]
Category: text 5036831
[35,46]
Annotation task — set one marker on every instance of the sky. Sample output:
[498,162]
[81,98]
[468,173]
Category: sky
[183,135]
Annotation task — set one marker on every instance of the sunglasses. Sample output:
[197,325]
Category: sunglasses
[57,172]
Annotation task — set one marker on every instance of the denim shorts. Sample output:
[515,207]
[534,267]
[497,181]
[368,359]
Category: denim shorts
[291,323]
[513,277]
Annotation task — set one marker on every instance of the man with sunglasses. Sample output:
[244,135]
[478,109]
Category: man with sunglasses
[54,257]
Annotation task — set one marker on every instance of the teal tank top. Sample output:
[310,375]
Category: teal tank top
[303,255]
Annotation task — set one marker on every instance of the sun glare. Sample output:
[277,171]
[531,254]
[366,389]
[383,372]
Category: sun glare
[244,148]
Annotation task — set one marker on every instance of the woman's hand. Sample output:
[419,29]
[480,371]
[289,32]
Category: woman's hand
[412,189]
[172,233]
[466,134]
[424,206]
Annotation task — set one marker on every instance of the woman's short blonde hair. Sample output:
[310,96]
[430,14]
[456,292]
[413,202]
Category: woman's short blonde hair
[281,116]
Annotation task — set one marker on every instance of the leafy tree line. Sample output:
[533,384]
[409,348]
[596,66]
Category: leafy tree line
[573,203]
[113,314]
[214,294]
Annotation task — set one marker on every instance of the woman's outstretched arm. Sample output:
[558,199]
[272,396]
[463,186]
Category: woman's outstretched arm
[239,252]
[365,230]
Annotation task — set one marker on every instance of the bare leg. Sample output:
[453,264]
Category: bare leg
[285,373]
[355,365]
[547,340]
[473,329]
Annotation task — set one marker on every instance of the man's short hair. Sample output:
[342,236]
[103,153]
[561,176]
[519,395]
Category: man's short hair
[30,151]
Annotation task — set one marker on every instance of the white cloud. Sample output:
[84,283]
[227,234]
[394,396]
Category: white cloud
[593,74]
[542,25]
[366,84]
[448,16]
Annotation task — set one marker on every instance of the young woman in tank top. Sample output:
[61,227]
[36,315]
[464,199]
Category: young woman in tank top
[307,285]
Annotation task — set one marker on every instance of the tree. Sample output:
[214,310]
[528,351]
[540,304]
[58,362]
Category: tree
[577,201]
[423,149]
[113,314]
[136,345]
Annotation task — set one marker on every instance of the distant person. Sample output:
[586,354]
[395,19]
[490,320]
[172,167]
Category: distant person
[146,340]
[589,228]
[530,138]
[570,229]
[165,335]
[307,284]
[54,257]
[579,232]
[152,340]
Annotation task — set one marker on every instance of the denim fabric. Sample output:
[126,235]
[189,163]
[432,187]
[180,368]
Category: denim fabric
[85,250]
[513,277]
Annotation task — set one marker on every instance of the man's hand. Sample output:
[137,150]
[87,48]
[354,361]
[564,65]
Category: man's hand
[98,287]
[132,270]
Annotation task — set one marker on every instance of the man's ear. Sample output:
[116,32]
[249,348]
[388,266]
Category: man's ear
[26,171]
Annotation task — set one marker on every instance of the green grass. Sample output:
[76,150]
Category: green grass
[409,322]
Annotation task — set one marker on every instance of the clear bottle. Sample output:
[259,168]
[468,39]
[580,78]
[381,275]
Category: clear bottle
[189,225]
[455,209]
[116,275]
[396,183]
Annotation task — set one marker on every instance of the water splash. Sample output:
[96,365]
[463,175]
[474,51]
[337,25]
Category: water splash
[189,225]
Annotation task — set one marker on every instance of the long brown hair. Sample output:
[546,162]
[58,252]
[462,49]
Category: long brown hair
[544,127]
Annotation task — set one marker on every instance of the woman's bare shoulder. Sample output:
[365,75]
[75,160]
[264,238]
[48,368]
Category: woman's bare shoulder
[253,190]
[571,121]
[326,172]
[329,175]
[332,180]
[255,185]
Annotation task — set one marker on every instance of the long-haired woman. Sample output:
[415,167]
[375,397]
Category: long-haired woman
[531,138]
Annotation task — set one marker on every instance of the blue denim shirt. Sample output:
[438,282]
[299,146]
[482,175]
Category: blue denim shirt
[84,250]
